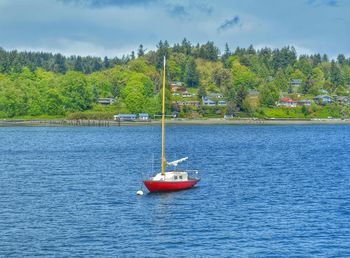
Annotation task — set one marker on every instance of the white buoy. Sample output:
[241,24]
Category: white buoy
[139,192]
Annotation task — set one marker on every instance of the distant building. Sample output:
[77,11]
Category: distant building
[176,94]
[106,101]
[186,94]
[174,114]
[295,82]
[323,99]
[221,103]
[215,95]
[294,85]
[287,102]
[143,116]
[343,100]
[176,86]
[228,116]
[175,83]
[125,117]
[188,103]
[253,92]
[208,102]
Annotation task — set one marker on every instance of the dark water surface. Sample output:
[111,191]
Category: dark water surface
[265,191]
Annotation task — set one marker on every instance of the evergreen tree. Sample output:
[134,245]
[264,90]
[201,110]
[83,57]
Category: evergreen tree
[280,80]
[209,51]
[341,59]
[226,55]
[186,47]
[105,63]
[59,64]
[251,50]
[163,50]
[191,77]
[140,51]
[78,66]
[335,74]
[325,58]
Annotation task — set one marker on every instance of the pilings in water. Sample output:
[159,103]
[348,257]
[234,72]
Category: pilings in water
[80,122]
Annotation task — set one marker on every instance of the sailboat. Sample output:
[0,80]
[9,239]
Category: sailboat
[173,180]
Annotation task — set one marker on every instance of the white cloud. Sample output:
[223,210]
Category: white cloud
[115,30]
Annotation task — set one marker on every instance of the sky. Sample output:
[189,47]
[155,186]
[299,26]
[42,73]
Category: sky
[116,27]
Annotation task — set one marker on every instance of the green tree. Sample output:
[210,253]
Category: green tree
[281,81]
[140,51]
[269,94]
[106,63]
[237,95]
[59,65]
[191,77]
[135,102]
[241,75]
[201,92]
[335,75]
[317,80]
[77,92]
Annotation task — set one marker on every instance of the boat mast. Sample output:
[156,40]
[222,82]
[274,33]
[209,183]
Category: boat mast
[163,115]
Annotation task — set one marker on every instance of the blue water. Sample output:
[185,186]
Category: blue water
[265,191]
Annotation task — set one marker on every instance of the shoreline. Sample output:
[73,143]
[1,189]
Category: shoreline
[178,121]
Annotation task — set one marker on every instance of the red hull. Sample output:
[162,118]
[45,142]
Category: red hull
[163,186]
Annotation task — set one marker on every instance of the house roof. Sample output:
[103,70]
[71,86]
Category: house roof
[285,99]
[322,96]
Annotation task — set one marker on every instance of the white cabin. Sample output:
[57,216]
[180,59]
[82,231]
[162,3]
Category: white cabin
[175,176]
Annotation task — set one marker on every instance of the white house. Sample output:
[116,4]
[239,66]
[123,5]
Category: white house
[287,102]
[208,102]
[143,116]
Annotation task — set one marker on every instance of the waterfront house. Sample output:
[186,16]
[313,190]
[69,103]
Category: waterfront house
[343,100]
[106,101]
[143,116]
[208,102]
[287,102]
[323,99]
[125,117]
[228,116]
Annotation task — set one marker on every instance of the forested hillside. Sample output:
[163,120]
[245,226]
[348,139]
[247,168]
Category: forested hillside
[250,82]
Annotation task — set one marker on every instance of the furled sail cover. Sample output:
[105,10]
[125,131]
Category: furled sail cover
[176,162]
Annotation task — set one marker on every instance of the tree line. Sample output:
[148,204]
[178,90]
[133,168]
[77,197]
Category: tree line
[37,83]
